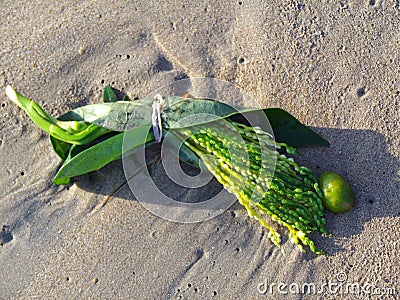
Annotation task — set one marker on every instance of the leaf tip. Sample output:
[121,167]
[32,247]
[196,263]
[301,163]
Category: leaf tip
[61,180]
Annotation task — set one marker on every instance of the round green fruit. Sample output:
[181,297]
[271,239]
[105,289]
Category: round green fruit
[338,197]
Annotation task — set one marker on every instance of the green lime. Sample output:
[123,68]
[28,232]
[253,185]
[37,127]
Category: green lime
[338,197]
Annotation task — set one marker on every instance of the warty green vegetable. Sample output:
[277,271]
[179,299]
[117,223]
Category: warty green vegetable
[290,198]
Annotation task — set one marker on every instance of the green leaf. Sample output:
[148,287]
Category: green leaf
[289,130]
[184,112]
[61,148]
[81,161]
[188,156]
[178,148]
[126,98]
[115,116]
[109,94]
[123,115]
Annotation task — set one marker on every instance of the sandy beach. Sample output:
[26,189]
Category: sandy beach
[335,66]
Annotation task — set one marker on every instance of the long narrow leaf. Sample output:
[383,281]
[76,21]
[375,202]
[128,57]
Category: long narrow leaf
[101,154]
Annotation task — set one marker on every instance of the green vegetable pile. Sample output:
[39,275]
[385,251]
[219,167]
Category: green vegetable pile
[291,198]
[246,160]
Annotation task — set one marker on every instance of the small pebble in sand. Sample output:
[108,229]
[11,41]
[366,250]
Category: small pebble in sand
[95,280]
